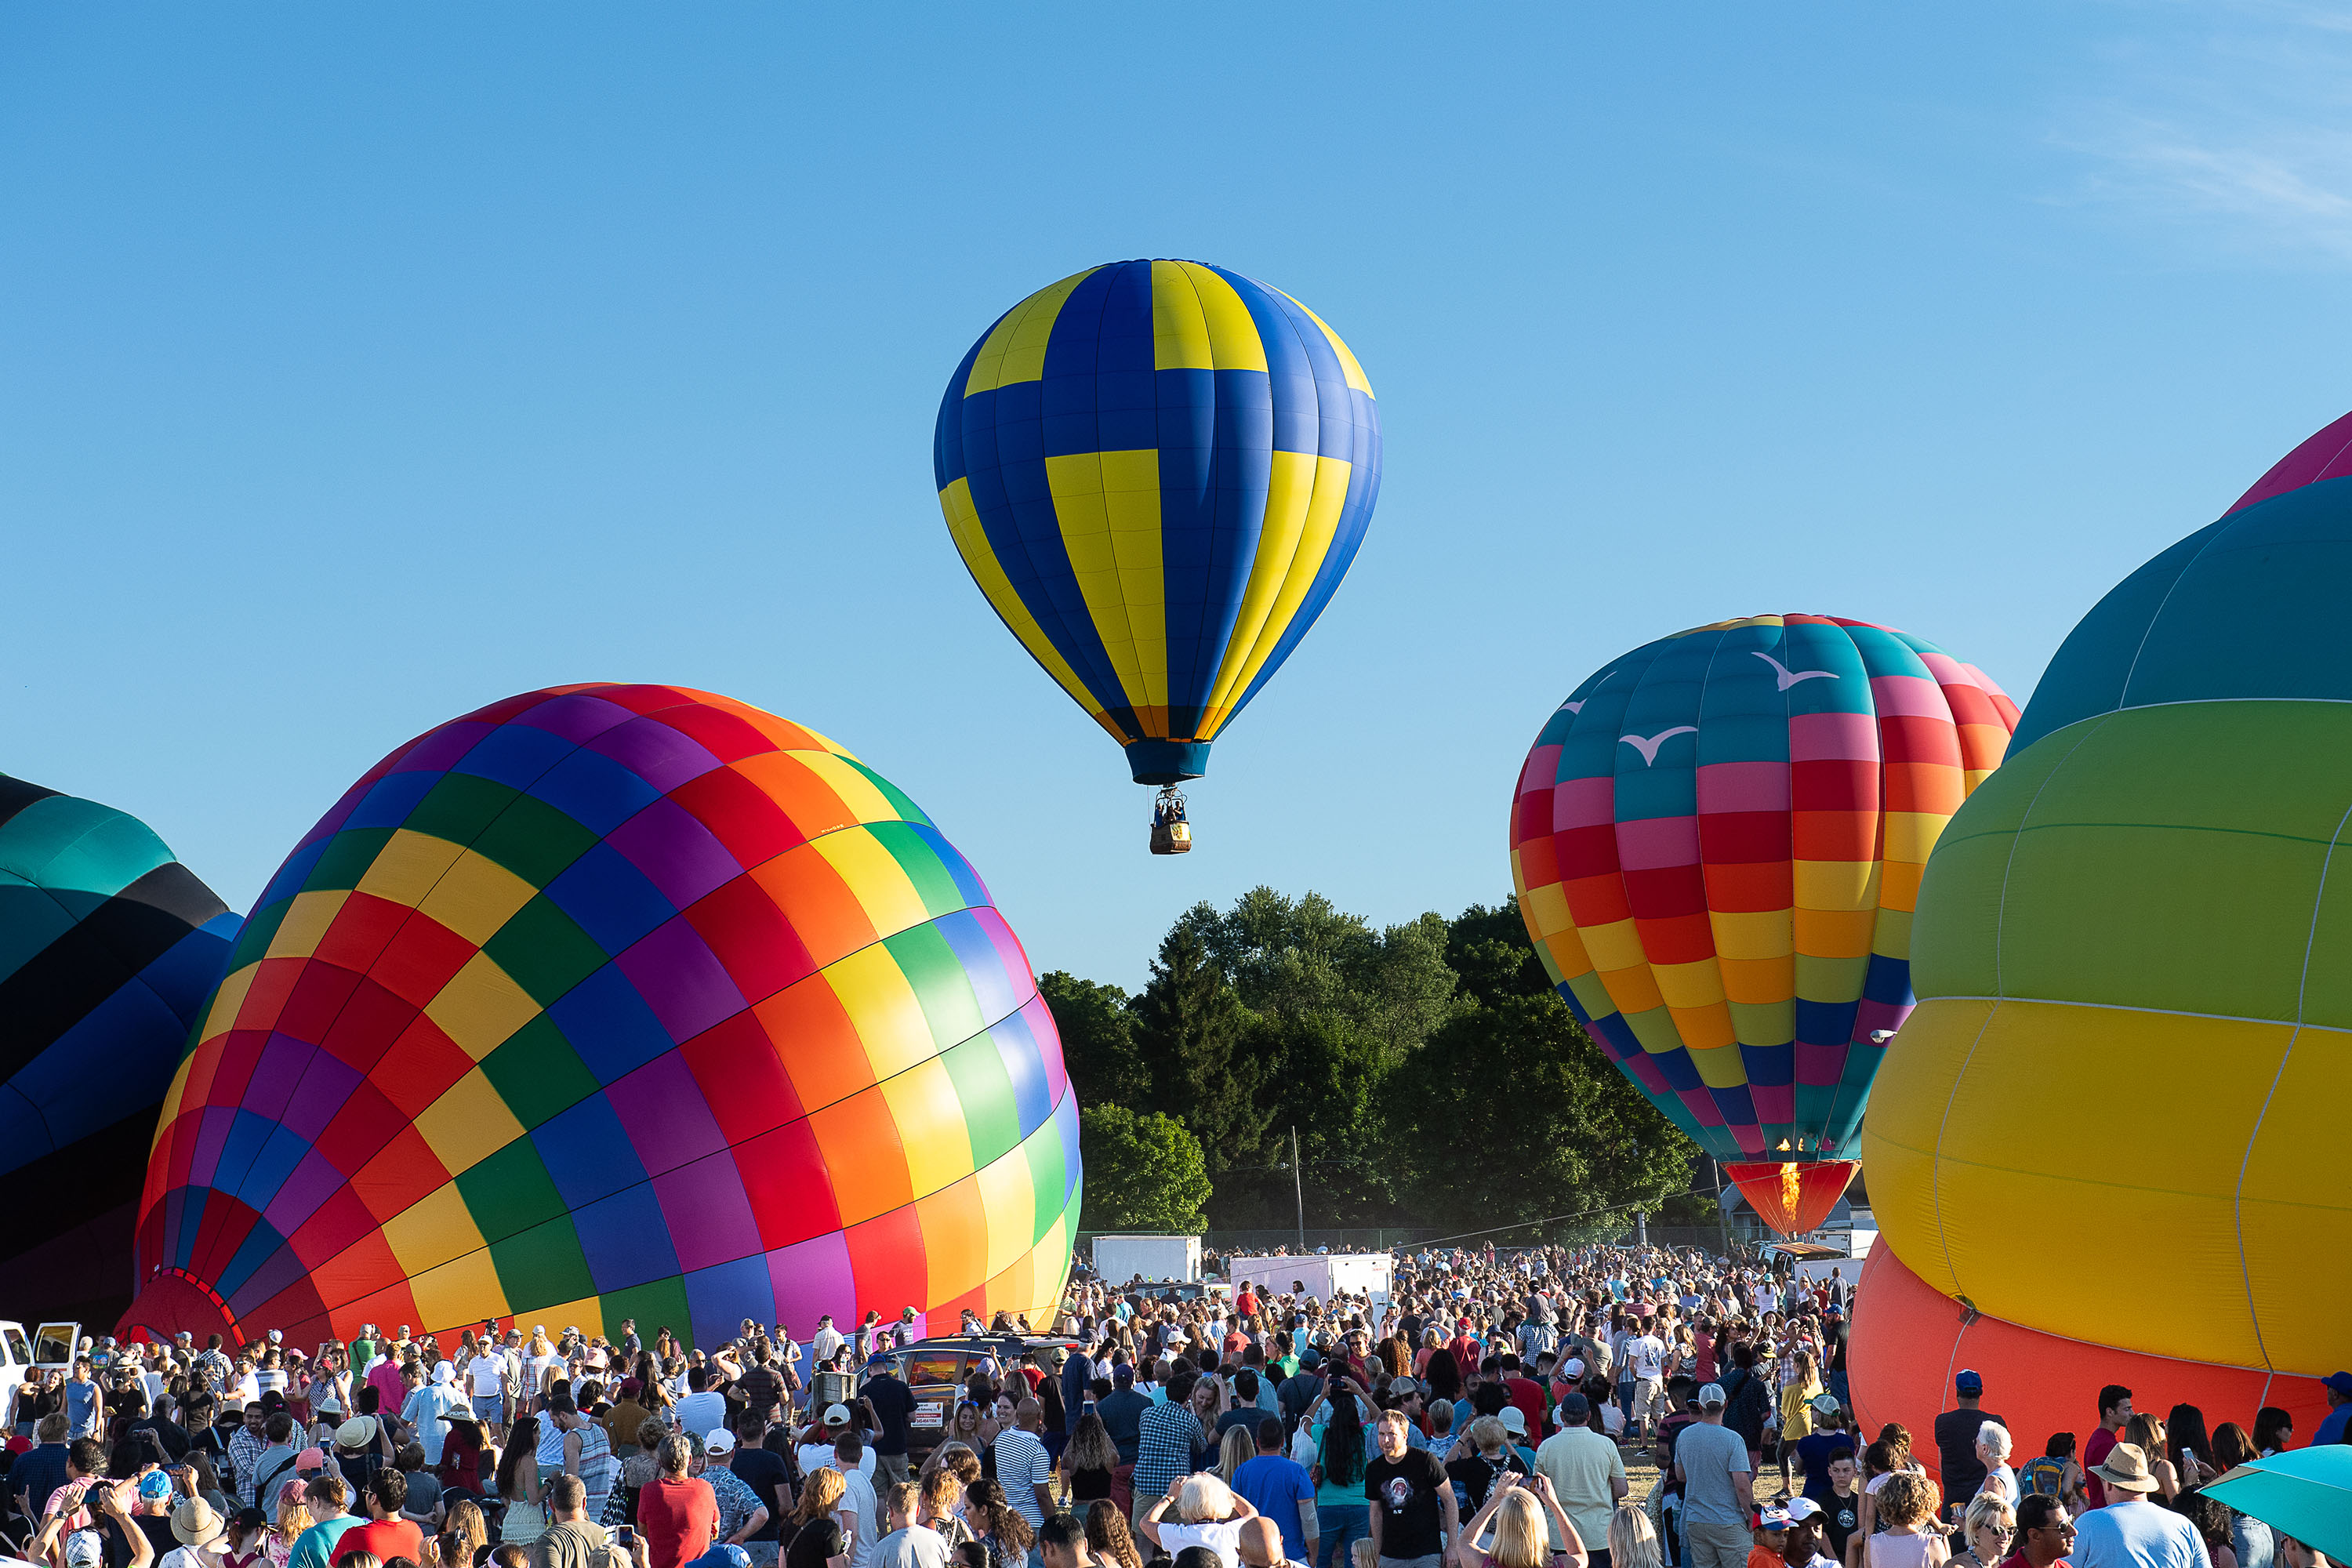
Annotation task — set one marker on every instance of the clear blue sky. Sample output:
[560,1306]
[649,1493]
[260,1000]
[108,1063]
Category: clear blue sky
[361,365]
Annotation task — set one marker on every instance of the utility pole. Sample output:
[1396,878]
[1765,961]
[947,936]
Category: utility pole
[1299,1189]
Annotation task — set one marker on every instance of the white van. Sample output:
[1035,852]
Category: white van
[51,1345]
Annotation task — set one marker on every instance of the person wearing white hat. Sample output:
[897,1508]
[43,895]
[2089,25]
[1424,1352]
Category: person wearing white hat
[1718,1486]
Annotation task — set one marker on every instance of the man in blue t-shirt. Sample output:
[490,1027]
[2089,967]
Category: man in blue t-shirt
[1279,1488]
[2340,1410]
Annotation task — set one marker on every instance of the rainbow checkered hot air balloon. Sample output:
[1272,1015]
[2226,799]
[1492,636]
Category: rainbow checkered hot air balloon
[1717,842]
[609,1002]
[1158,472]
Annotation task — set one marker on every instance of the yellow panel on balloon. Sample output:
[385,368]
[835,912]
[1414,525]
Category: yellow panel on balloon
[440,1227]
[876,994]
[307,919]
[930,1125]
[955,1237]
[464,1291]
[1008,1192]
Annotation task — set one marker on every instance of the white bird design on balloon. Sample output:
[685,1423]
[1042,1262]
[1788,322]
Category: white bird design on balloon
[1648,744]
[1787,676]
[1572,707]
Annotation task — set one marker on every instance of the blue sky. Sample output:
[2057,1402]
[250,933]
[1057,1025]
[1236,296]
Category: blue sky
[365,363]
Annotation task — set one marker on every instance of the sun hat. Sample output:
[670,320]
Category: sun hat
[2125,1466]
[356,1433]
[195,1523]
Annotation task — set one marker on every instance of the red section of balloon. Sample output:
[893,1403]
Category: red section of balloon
[1793,1196]
[1908,1342]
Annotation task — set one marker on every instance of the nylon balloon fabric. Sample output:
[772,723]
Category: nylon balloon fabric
[108,949]
[612,1002]
[1158,472]
[2144,926]
[1716,842]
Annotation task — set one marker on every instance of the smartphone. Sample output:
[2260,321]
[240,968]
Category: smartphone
[624,1537]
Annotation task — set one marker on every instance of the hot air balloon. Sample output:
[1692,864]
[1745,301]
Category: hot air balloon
[2135,975]
[1158,472]
[1716,842]
[108,948]
[608,1002]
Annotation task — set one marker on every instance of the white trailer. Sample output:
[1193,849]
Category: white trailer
[1322,1275]
[1121,1259]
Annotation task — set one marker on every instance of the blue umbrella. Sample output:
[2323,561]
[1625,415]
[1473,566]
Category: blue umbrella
[2306,1493]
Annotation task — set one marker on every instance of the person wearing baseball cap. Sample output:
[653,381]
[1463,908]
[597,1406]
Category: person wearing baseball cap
[1963,1473]
[1718,1488]
[2339,1410]
[2131,1529]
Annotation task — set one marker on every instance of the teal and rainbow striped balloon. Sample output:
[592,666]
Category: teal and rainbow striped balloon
[1158,472]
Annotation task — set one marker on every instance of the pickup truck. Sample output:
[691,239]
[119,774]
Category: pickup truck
[50,1345]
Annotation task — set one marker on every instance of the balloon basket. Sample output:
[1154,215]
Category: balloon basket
[1171,833]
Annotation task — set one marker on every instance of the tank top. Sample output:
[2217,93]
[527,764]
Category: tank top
[1887,1550]
[598,1469]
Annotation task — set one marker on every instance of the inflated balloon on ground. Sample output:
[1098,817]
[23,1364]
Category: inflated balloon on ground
[108,948]
[609,1002]
[1716,842]
[2134,958]
[1158,472]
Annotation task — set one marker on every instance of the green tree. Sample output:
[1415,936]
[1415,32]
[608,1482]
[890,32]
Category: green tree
[1489,949]
[1511,1112]
[1097,1024]
[1288,957]
[1191,1029]
[1143,1172]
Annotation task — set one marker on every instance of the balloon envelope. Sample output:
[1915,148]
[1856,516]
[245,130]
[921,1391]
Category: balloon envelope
[1716,842]
[1158,472]
[609,1002]
[108,948]
[2135,962]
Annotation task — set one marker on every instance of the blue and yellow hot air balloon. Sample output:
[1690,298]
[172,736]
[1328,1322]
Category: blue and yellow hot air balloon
[1158,472]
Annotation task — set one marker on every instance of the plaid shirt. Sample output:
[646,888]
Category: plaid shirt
[1163,1453]
[245,1451]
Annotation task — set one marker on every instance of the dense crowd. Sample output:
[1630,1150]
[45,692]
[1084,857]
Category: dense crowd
[1482,1415]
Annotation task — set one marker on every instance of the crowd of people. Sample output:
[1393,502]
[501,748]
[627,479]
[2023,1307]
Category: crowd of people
[1482,1415]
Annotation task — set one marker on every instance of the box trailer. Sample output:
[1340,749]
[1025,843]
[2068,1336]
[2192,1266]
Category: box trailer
[1320,1275]
[1121,1259]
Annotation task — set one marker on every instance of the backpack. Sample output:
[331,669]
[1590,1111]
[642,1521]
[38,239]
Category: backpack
[2042,1476]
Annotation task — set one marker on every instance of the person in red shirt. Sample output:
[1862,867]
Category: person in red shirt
[677,1513]
[385,1533]
[1467,1349]
[1703,1352]
[2114,1415]
[1525,1393]
[1246,1303]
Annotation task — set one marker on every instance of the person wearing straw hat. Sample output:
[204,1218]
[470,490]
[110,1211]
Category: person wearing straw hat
[202,1535]
[2131,1531]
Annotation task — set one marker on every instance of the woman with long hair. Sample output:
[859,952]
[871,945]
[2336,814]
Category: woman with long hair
[2273,1431]
[1238,1449]
[1524,1519]
[1444,1373]
[289,1517]
[2250,1538]
[1341,1452]
[1108,1536]
[1633,1544]
[525,1519]
[2149,1432]
[942,1506]
[1004,1533]
[814,1535]
[465,1535]
[2185,1425]
[1092,1462]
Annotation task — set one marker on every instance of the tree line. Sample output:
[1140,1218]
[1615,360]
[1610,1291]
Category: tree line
[1433,1076]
